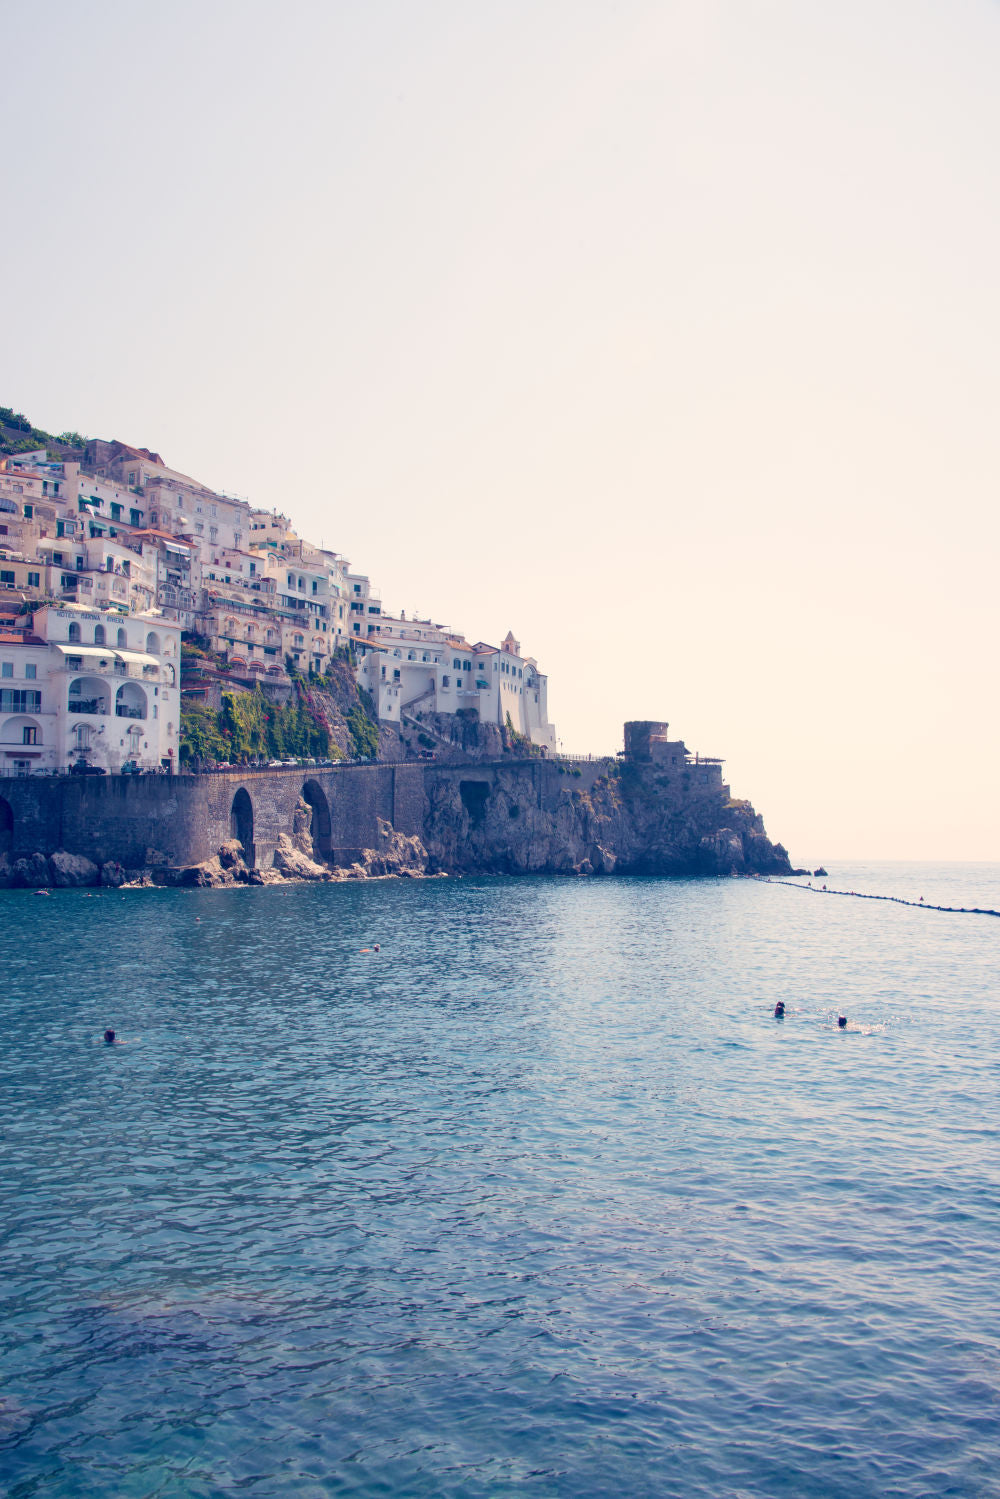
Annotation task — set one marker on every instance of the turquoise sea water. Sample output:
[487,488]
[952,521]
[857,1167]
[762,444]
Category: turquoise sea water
[539,1199]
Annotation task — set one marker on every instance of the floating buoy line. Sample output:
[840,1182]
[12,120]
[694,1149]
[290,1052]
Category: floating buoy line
[897,900]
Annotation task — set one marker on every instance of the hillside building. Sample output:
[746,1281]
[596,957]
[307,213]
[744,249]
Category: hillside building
[119,533]
[85,686]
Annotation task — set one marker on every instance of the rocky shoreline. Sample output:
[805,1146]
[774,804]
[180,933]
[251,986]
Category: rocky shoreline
[627,823]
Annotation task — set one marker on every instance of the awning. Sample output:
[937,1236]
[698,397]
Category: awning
[88,652]
[137,658]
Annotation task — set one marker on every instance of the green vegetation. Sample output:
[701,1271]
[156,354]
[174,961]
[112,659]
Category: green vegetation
[251,727]
[17,435]
[362,727]
[518,741]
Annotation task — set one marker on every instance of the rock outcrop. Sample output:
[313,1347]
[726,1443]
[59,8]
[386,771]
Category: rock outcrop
[623,820]
[70,870]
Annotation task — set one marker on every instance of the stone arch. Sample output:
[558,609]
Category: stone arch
[99,635]
[122,639]
[74,633]
[241,822]
[319,827]
[152,644]
[6,827]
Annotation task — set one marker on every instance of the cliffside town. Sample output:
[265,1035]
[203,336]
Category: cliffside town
[152,628]
[109,559]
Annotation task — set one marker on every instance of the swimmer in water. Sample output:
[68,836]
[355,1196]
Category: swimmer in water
[109,1038]
[377,948]
[779,1010]
[842,1022]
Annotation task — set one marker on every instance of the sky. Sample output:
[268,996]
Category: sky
[663,334]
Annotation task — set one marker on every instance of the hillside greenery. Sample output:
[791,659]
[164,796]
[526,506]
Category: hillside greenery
[251,727]
[17,435]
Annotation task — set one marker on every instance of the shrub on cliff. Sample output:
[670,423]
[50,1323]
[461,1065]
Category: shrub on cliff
[251,727]
[362,728]
[200,736]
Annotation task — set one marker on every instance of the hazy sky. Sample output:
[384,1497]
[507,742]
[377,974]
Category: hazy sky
[664,334]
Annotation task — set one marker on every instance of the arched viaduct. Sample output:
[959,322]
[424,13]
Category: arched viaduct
[177,821]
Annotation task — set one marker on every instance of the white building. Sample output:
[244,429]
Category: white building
[415,666]
[100,686]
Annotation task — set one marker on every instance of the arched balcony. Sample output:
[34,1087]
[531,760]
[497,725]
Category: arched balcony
[88,695]
[130,701]
[20,730]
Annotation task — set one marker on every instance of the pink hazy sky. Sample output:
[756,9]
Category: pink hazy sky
[663,334]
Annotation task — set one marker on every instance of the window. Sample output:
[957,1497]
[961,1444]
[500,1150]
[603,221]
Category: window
[74,633]
[29,510]
[445,681]
[98,634]
[19,700]
[29,735]
[34,580]
[122,639]
[7,669]
[456,665]
[135,517]
[30,672]
[116,511]
[7,577]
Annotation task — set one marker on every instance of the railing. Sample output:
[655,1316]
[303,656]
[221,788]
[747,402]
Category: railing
[87,705]
[122,712]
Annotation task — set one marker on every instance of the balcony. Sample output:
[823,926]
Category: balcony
[121,711]
[88,705]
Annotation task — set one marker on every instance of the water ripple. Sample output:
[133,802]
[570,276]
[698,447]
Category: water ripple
[538,1199]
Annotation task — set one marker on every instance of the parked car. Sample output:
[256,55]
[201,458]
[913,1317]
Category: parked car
[275,764]
[81,768]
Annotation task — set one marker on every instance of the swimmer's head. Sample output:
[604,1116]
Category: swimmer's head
[779,1010]
[109,1037]
[842,1022]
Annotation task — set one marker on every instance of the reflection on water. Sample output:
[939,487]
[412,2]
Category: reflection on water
[538,1198]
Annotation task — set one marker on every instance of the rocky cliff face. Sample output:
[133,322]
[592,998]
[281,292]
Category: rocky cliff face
[629,820]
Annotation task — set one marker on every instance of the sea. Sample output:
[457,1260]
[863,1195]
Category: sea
[538,1198]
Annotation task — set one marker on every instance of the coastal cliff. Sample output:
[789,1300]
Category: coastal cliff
[628,820]
[658,810]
